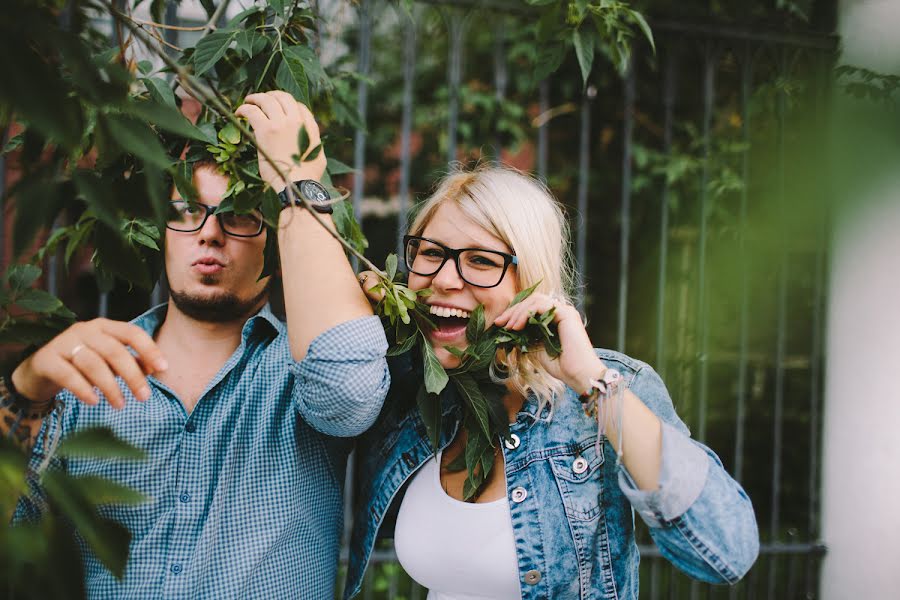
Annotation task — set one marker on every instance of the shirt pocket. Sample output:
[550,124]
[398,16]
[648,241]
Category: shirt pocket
[579,478]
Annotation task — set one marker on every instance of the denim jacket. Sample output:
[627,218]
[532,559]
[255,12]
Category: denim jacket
[573,527]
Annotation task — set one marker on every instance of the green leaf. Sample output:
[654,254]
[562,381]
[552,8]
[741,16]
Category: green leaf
[14,143]
[302,140]
[99,490]
[390,266]
[475,327]
[22,276]
[137,138]
[524,294]
[98,195]
[645,28]
[38,301]
[277,6]
[210,49]
[291,77]
[475,401]
[406,346]
[430,411]
[230,134]
[37,202]
[108,539]
[160,91]
[168,118]
[584,51]
[336,167]
[250,42]
[98,442]
[436,377]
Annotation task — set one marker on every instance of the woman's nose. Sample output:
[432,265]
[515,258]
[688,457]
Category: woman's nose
[447,277]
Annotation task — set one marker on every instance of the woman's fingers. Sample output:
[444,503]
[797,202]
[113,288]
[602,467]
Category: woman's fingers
[368,280]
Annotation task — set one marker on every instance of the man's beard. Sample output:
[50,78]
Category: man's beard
[220,308]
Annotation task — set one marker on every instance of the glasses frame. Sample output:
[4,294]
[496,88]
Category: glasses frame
[454,253]
[211,210]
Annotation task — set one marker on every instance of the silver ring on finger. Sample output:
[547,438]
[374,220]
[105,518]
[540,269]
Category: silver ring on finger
[75,351]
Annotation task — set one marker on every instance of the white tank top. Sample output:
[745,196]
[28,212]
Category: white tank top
[458,550]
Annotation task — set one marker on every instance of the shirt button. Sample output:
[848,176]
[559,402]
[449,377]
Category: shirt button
[185,497]
[579,465]
[513,442]
[190,427]
[519,494]
[532,577]
[176,569]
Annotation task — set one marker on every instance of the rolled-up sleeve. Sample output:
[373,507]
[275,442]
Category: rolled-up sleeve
[341,384]
[700,517]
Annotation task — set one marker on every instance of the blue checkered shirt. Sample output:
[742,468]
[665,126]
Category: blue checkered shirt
[246,490]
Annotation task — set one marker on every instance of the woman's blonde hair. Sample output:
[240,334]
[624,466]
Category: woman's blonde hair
[519,210]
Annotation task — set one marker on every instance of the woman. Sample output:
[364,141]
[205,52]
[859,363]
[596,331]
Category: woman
[554,518]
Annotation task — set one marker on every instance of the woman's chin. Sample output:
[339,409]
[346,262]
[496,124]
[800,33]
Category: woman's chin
[447,360]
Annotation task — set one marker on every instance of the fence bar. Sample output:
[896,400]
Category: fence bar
[501,79]
[709,74]
[171,35]
[409,74]
[544,104]
[362,98]
[743,343]
[777,426]
[669,109]
[815,363]
[625,238]
[5,204]
[456,31]
[584,151]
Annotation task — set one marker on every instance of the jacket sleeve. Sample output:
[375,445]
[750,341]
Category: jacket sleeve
[700,518]
[341,383]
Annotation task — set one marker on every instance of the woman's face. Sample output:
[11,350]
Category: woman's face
[453,299]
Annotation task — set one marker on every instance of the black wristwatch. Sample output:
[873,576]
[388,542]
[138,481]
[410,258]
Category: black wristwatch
[313,191]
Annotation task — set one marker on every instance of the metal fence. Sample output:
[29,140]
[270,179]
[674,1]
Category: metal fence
[668,266]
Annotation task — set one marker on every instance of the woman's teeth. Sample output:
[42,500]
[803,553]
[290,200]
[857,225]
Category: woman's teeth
[443,311]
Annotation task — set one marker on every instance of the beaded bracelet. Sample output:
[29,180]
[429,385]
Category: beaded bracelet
[22,407]
[603,401]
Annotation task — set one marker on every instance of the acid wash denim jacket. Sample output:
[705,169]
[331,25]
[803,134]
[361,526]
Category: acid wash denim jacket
[573,527]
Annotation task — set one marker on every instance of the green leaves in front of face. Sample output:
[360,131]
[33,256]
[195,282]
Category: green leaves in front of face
[401,311]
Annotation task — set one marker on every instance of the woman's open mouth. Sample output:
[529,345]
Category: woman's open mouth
[451,324]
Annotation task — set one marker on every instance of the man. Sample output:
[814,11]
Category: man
[240,417]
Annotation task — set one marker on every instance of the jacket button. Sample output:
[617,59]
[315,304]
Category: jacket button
[579,465]
[513,442]
[519,494]
[532,577]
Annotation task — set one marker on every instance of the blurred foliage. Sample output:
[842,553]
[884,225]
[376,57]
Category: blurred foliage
[39,555]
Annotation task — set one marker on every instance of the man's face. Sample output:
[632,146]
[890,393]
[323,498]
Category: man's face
[212,275]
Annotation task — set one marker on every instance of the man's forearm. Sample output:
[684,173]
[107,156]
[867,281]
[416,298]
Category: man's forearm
[320,288]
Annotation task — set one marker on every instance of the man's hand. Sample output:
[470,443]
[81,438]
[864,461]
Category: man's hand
[88,355]
[276,119]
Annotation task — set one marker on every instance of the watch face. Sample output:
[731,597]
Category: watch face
[314,191]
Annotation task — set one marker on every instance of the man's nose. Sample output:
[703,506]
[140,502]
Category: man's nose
[211,232]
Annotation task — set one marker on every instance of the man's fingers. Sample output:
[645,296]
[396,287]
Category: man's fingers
[269,105]
[131,335]
[288,104]
[123,364]
[70,378]
[93,368]
[254,115]
[309,121]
